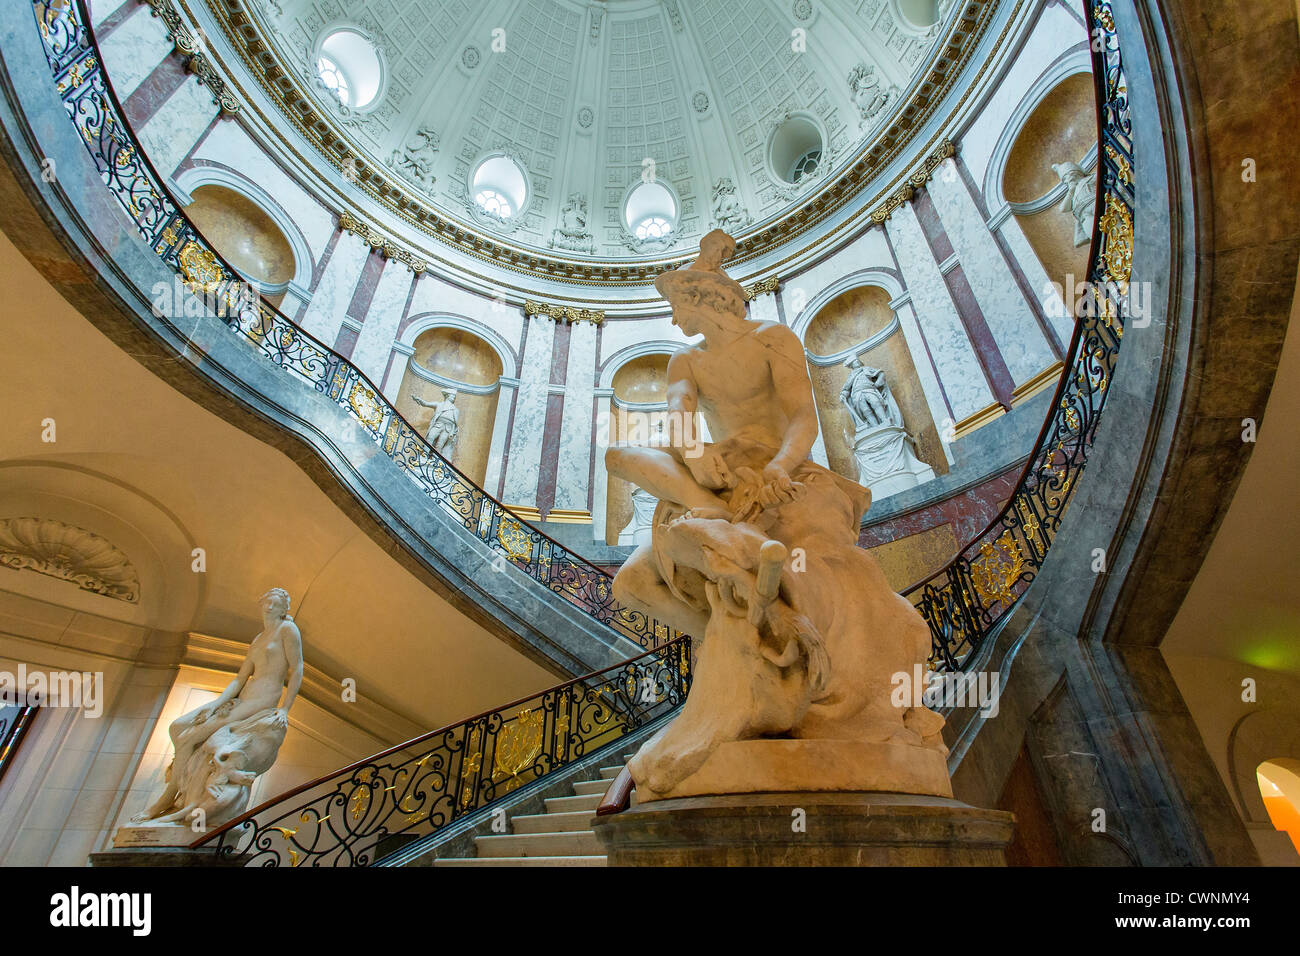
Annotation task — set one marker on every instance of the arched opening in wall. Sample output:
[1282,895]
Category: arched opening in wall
[845,327]
[246,236]
[499,187]
[794,151]
[1279,785]
[351,67]
[638,417]
[449,360]
[1046,171]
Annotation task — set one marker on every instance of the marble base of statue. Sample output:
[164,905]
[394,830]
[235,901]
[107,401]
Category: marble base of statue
[886,462]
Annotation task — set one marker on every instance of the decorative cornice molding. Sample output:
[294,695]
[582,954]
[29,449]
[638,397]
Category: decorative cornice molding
[563,313]
[70,554]
[193,52]
[377,240]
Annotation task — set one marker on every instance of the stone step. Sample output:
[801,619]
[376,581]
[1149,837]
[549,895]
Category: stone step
[526,861]
[571,843]
[553,822]
[588,801]
[584,787]
[609,773]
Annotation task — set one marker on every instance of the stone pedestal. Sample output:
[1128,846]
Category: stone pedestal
[154,835]
[834,829]
[886,462]
[153,856]
[771,766]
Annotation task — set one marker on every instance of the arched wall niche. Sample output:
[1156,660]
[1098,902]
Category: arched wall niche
[640,387]
[855,317]
[1279,785]
[246,236]
[1061,128]
[446,357]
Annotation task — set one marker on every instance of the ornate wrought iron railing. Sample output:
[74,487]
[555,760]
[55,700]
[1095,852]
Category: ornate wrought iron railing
[966,599]
[15,720]
[87,93]
[962,602]
[356,815]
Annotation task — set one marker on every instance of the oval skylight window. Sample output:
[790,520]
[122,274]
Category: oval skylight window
[650,211]
[499,187]
[795,149]
[350,66]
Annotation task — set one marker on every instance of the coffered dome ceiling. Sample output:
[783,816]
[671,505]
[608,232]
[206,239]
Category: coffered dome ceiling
[738,110]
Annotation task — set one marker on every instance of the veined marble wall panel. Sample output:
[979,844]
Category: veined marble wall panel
[949,345]
[101,10]
[177,125]
[530,415]
[229,145]
[375,341]
[1055,32]
[133,50]
[939,411]
[329,303]
[622,334]
[1016,332]
[573,475]
[763,309]
[1036,275]
[433,294]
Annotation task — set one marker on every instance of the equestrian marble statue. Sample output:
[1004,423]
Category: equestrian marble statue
[797,635]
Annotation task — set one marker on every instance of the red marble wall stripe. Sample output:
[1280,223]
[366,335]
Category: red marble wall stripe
[366,285]
[972,317]
[115,19]
[156,88]
[346,341]
[550,464]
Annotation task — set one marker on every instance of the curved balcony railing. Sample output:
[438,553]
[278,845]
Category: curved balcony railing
[467,769]
[87,93]
[962,602]
[965,600]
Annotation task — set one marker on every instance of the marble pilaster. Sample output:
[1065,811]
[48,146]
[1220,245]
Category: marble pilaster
[133,50]
[1015,330]
[572,479]
[329,303]
[177,125]
[500,426]
[530,415]
[949,345]
[375,340]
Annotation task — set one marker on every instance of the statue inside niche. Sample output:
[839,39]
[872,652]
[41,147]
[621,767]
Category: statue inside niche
[754,553]
[867,396]
[1080,198]
[572,233]
[415,159]
[444,427]
[224,745]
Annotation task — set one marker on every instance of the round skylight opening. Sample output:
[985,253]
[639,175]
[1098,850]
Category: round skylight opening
[499,187]
[350,66]
[795,149]
[650,211]
[921,14]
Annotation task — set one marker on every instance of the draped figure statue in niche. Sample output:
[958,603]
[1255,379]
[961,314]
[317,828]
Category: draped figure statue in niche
[867,396]
[222,746]
[754,553]
[1080,198]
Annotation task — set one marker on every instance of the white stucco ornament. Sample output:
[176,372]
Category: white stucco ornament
[798,636]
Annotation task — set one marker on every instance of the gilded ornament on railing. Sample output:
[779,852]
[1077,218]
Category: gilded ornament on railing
[367,407]
[996,570]
[1029,522]
[514,538]
[360,801]
[1117,228]
[199,266]
[1122,168]
[518,744]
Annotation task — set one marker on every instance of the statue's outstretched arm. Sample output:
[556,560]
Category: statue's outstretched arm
[422,402]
